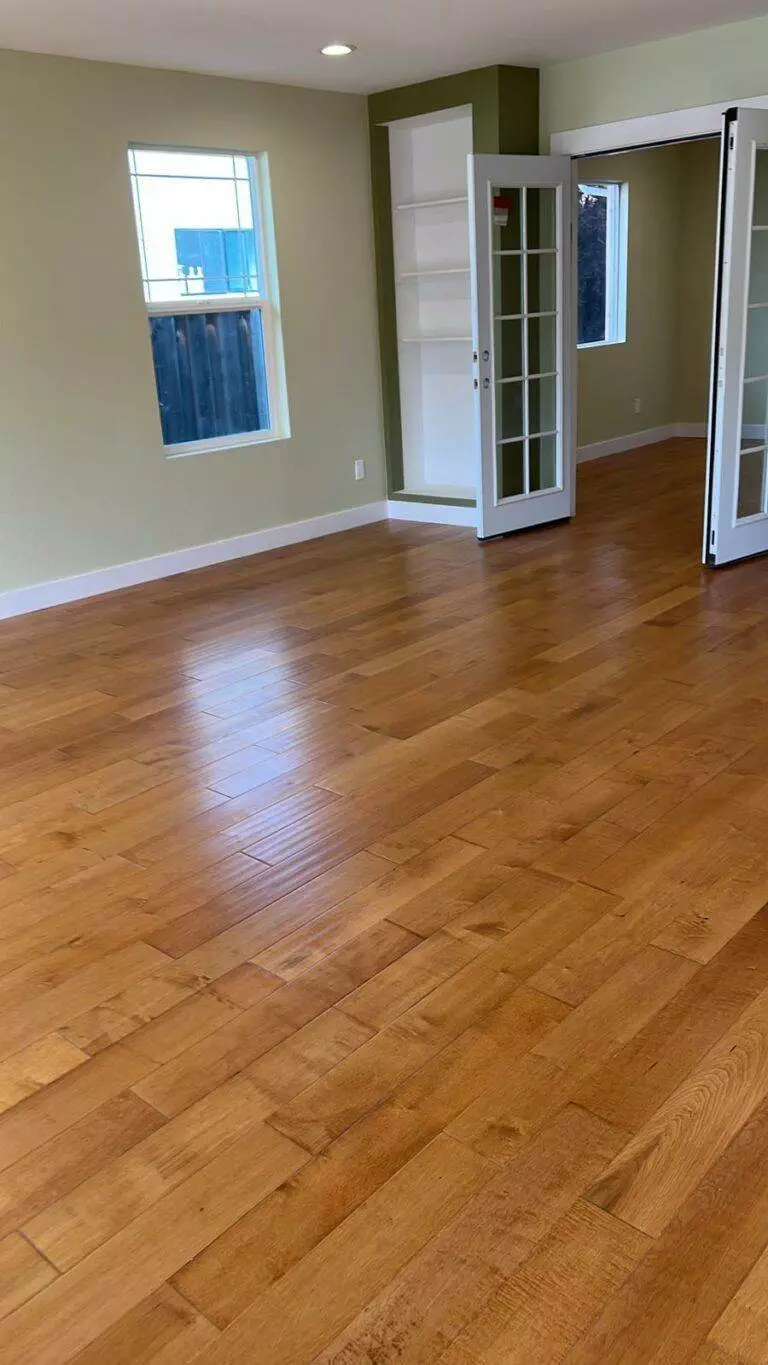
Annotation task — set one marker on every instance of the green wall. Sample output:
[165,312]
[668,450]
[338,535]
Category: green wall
[86,484]
[505,117]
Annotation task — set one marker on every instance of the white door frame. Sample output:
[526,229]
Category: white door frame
[728,537]
[635,134]
[642,133]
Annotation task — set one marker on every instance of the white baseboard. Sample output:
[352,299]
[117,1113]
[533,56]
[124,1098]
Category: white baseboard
[436,513]
[54,594]
[691,429]
[634,439]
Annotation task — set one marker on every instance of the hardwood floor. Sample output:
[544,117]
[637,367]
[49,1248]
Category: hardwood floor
[384,952]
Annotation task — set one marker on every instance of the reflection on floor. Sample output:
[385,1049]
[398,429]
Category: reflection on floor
[385,952]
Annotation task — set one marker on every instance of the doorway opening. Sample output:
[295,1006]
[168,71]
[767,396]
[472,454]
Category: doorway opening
[647,230]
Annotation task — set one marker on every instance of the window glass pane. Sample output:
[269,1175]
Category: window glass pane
[506,219]
[542,283]
[211,376]
[593,223]
[509,410]
[541,208]
[510,469]
[159,161]
[751,479]
[543,462]
[195,224]
[137,214]
[244,204]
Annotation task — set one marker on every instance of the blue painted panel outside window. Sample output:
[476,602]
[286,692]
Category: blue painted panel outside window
[225,258]
[211,374]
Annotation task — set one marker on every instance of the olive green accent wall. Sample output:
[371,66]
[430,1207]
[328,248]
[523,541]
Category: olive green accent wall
[504,99]
[505,118]
[518,109]
[665,361]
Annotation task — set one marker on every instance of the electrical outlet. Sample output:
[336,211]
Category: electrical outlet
[359,469]
[638,405]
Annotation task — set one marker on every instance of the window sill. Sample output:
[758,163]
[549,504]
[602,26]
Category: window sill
[224,443]
[598,345]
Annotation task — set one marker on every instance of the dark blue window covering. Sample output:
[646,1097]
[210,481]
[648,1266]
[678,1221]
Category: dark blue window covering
[226,258]
[593,223]
[211,374]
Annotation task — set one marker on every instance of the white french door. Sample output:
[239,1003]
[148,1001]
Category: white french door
[521,210]
[736,512]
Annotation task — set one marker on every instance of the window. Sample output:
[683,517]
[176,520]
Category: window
[205,249]
[602,264]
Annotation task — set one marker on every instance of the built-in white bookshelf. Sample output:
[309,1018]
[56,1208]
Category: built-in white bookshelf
[430,224]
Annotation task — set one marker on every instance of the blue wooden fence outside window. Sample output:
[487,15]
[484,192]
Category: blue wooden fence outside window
[211,374]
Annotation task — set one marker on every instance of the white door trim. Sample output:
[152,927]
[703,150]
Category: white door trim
[706,120]
[727,536]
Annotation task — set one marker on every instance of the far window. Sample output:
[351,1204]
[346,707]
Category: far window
[211,296]
[602,264]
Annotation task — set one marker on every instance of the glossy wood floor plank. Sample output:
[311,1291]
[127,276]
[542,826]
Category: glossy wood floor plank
[384,952]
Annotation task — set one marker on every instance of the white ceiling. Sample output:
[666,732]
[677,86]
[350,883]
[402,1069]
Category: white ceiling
[398,40]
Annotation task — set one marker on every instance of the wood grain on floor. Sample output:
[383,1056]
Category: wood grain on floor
[384,952]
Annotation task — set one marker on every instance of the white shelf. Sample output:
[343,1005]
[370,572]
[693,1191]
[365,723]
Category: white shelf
[435,336]
[434,270]
[430,232]
[520,317]
[411,204]
[439,490]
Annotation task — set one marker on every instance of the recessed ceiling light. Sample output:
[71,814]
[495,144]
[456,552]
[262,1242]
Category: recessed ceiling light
[337,49]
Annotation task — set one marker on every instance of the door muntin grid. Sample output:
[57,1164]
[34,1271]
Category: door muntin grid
[526,367]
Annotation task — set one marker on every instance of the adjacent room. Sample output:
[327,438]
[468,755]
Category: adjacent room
[647,234]
[647,224]
[383,683]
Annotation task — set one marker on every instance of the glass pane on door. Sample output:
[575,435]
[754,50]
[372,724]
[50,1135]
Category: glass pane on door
[526,380]
[751,485]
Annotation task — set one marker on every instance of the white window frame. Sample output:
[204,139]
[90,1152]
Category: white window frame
[266,301]
[616,194]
